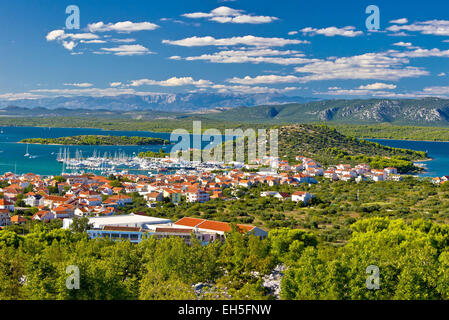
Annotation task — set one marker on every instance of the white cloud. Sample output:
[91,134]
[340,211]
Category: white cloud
[369,93]
[72,38]
[431,27]
[379,66]
[378,86]
[402,44]
[115,84]
[92,92]
[348,31]
[245,40]
[442,74]
[260,55]
[127,40]
[61,35]
[55,34]
[270,79]
[122,27]
[250,90]
[398,34]
[128,50]
[437,90]
[228,15]
[421,53]
[79,85]
[400,21]
[69,45]
[19,96]
[172,82]
[292,33]
[93,41]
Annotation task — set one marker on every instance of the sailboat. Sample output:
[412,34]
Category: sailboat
[26,154]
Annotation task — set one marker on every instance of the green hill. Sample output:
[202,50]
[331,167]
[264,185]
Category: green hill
[329,147]
[426,111]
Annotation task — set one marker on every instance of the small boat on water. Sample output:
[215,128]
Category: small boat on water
[26,154]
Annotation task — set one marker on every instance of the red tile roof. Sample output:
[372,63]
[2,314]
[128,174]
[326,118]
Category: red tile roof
[189,222]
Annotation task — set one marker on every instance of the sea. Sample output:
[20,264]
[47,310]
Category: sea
[43,158]
[437,151]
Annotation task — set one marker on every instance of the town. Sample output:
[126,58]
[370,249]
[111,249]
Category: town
[99,197]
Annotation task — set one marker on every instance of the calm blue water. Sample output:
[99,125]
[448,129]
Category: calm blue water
[12,153]
[438,151]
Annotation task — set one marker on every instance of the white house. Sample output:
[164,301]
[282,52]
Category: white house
[5,204]
[301,196]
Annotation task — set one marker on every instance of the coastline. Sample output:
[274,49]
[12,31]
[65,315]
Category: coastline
[94,145]
[390,139]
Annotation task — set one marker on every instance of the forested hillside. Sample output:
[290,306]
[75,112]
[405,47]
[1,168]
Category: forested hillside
[328,146]
[97,140]
[428,111]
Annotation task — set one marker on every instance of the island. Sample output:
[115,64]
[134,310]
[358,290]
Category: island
[98,140]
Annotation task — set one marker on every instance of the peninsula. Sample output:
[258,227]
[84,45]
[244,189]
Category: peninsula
[97,140]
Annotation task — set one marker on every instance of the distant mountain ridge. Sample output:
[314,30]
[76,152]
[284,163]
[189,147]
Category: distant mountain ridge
[184,102]
[238,108]
[426,111]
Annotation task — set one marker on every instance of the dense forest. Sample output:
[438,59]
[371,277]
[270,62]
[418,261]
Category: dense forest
[97,140]
[388,131]
[412,261]
[138,123]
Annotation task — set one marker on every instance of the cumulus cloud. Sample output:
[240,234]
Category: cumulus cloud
[122,27]
[69,40]
[172,82]
[61,35]
[55,34]
[69,45]
[437,90]
[92,92]
[431,27]
[369,93]
[126,40]
[248,40]
[378,86]
[250,90]
[267,79]
[93,41]
[19,96]
[421,53]
[400,21]
[228,15]
[79,85]
[379,66]
[348,31]
[402,44]
[128,50]
[260,55]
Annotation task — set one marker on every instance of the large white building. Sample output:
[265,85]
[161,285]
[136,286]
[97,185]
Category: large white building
[128,220]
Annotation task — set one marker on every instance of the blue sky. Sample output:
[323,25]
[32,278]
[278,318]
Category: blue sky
[305,48]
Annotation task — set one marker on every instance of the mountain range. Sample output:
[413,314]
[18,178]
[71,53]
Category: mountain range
[183,102]
[255,108]
[425,111]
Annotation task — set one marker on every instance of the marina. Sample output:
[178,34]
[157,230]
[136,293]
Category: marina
[55,159]
[120,162]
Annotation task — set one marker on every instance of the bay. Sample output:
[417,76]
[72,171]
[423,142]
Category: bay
[438,151]
[43,160]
